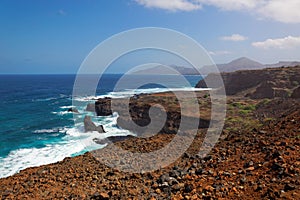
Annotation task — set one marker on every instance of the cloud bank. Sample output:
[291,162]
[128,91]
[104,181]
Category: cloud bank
[170,5]
[279,43]
[286,11]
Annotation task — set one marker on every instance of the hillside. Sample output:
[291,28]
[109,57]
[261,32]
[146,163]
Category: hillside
[265,83]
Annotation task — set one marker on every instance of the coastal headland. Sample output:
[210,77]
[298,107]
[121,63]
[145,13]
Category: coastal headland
[256,157]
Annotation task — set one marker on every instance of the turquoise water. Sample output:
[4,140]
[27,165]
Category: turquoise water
[36,128]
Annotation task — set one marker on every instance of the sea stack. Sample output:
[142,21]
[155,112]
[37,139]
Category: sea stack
[89,125]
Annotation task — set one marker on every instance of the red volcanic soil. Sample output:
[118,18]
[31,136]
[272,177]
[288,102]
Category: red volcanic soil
[256,157]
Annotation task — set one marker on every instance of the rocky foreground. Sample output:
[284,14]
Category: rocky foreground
[257,157]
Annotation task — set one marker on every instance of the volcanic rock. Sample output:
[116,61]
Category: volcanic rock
[90,126]
[103,107]
[73,110]
[264,90]
[296,93]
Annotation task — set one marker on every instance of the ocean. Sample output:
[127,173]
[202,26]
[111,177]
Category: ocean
[36,127]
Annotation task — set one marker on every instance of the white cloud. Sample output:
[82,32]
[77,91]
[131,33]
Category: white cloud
[234,37]
[286,11]
[219,53]
[279,43]
[230,4]
[171,5]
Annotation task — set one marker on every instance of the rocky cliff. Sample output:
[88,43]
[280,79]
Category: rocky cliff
[256,84]
[139,112]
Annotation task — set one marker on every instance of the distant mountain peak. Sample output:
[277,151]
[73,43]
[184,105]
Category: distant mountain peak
[245,62]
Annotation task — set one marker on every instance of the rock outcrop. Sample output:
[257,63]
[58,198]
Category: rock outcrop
[257,84]
[103,107]
[89,125]
[73,110]
[296,93]
[264,90]
[261,163]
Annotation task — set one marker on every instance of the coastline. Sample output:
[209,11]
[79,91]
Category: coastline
[257,156]
[230,170]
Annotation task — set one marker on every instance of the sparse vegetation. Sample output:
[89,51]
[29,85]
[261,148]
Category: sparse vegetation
[295,83]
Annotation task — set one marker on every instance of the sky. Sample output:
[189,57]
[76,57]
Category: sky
[55,36]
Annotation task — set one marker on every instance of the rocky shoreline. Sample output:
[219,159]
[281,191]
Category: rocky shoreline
[256,157]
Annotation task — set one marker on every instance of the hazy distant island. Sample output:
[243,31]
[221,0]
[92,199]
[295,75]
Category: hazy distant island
[242,63]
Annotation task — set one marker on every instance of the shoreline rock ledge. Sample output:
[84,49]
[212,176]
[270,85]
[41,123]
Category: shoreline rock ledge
[103,107]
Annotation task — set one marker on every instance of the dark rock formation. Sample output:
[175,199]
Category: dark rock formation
[73,110]
[237,81]
[90,126]
[103,107]
[257,84]
[264,90]
[91,107]
[296,93]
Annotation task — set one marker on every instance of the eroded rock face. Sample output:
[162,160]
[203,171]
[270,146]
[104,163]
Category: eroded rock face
[296,93]
[257,84]
[264,90]
[103,107]
[89,125]
[237,81]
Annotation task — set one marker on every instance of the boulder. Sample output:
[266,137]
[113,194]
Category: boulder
[73,110]
[89,125]
[264,90]
[103,107]
[296,93]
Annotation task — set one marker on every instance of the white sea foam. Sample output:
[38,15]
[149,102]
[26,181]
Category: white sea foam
[130,92]
[63,113]
[66,107]
[54,130]
[24,158]
[75,142]
[46,99]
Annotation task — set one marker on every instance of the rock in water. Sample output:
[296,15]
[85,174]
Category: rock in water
[90,126]
[73,110]
[103,107]
[90,107]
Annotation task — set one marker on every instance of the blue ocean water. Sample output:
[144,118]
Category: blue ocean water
[36,127]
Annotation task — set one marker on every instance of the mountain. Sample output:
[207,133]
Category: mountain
[173,69]
[240,64]
[235,65]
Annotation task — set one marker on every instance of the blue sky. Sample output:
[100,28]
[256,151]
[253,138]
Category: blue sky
[54,36]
